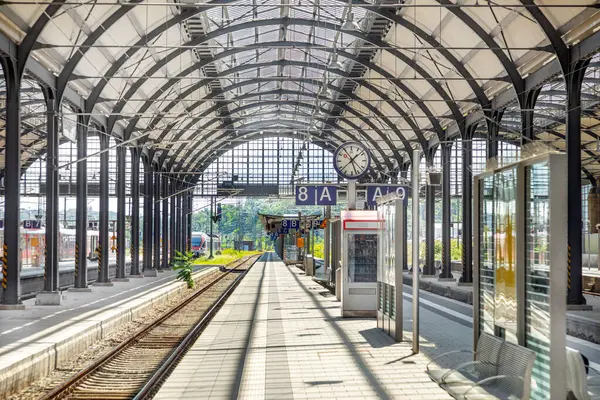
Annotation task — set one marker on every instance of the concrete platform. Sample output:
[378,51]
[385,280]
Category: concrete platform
[36,340]
[280,336]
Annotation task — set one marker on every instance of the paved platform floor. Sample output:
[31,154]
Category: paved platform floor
[280,336]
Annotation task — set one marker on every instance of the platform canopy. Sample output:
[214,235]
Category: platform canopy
[190,79]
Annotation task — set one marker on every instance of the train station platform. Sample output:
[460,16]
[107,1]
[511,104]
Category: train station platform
[34,341]
[280,336]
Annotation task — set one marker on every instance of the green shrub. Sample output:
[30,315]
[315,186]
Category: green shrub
[183,266]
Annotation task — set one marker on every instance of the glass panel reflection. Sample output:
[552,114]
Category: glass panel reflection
[486,257]
[505,311]
[537,269]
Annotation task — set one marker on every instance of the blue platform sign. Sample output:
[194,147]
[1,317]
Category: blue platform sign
[316,195]
[32,224]
[283,231]
[375,192]
[305,195]
[290,224]
[326,195]
[1,224]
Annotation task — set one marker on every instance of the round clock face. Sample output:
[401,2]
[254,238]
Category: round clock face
[351,160]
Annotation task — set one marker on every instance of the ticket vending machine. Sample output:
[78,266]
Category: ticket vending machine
[392,245]
[360,235]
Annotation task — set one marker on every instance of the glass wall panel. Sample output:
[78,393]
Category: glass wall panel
[486,257]
[537,285]
[505,311]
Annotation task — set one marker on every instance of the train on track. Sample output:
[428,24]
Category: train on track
[201,243]
[33,243]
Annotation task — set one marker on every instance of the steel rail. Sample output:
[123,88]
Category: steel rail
[156,380]
[68,386]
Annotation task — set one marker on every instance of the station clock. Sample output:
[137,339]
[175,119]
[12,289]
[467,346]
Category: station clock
[351,160]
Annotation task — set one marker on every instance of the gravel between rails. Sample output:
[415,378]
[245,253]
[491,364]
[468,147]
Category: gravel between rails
[97,349]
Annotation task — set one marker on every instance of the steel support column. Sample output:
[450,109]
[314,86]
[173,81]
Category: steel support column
[190,198]
[51,277]
[493,124]
[446,149]
[157,231]
[467,204]
[103,242]
[429,267]
[178,223]
[121,151]
[527,112]
[81,222]
[165,222]
[11,261]
[574,209]
[147,238]
[184,218]
[135,212]
[173,220]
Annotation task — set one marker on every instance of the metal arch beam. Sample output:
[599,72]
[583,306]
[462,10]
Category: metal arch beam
[558,45]
[343,106]
[220,151]
[28,43]
[274,92]
[95,95]
[258,125]
[290,92]
[511,69]
[367,63]
[262,125]
[367,85]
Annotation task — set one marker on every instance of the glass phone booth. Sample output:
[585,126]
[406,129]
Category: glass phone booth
[360,234]
[392,245]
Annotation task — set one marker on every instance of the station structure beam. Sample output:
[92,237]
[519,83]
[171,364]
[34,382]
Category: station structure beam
[165,221]
[429,267]
[135,213]
[156,219]
[121,152]
[51,275]
[172,220]
[103,242]
[81,222]
[184,218]
[190,197]
[446,273]
[178,246]
[574,81]
[11,275]
[147,237]
[467,205]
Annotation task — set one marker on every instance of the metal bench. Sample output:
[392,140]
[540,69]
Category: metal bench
[484,365]
[501,370]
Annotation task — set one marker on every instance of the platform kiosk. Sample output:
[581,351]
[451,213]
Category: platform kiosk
[520,212]
[392,244]
[360,234]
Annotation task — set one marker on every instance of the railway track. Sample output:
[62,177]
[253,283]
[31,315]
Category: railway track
[135,368]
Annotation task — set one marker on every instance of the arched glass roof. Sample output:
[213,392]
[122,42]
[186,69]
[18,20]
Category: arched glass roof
[184,77]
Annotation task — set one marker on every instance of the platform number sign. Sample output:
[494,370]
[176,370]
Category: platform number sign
[375,192]
[32,224]
[305,195]
[325,195]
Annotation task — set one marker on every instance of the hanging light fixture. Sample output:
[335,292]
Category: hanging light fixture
[350,25]
[325,91]
[335,63]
